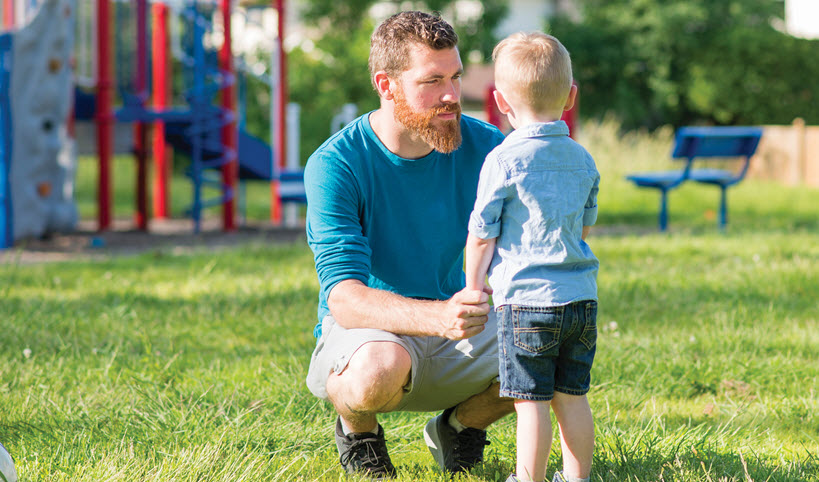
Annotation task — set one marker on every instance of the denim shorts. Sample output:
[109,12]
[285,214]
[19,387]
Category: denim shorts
[546,349]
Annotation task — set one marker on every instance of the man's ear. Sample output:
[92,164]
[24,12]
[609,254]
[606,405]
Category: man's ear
[503,106]
[384,85]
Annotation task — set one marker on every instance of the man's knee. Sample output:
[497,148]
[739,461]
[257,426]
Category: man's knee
[374,376]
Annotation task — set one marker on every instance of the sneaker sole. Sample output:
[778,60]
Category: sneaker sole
[433,441]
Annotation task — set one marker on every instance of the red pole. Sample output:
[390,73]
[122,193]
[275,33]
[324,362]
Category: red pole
[281,128]
[140,131]
[8,14]
[229,134]
[160,88]
[104,116]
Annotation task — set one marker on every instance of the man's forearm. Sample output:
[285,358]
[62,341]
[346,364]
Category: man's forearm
[355,305]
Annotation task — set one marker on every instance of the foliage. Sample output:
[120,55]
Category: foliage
[653,63]
[333,74]
[770,68]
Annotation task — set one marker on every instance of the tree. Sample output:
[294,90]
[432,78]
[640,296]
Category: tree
[654,62]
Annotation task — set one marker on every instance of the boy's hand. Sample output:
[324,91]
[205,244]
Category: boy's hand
[465,314]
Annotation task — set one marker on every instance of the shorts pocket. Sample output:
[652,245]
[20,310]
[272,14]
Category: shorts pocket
[589,335]
[537,330]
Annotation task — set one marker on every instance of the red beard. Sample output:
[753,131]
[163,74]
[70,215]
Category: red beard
[445,138]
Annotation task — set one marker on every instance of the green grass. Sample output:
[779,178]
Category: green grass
[190,367]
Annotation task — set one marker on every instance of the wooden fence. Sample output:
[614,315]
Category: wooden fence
[788,154]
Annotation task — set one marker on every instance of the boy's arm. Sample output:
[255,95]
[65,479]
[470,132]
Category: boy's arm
[478,256]
[586,231]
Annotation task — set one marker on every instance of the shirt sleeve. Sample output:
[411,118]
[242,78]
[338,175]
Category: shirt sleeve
[334,230]
[493,189]
[590,212]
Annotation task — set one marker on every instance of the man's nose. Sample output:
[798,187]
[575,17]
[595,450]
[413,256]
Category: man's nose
[452,94]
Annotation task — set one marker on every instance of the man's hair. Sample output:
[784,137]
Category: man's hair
[390,43]
[533,68]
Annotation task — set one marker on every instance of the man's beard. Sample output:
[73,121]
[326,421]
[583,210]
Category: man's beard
[445,138]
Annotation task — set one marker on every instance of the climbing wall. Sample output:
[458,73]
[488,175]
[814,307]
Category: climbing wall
[42,161]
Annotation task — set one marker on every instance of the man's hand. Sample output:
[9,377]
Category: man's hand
[465,314]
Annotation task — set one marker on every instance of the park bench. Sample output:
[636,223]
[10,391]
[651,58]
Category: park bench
[693,143]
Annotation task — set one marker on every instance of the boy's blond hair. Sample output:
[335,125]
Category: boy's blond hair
[535,69]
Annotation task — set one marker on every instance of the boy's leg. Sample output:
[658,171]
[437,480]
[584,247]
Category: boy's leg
[534,439]
[576,433]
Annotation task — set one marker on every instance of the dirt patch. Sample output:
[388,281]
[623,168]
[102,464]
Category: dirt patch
[174,235]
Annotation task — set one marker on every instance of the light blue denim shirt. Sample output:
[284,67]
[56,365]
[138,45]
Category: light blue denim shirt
[536,192]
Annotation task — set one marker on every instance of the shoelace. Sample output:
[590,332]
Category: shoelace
[367,452]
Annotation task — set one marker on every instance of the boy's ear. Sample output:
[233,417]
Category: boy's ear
[384,85]
[571,98]
[503,106]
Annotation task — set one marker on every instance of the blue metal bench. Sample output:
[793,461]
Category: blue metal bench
[703,142]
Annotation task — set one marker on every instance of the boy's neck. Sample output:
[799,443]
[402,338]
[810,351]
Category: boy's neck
[526,118]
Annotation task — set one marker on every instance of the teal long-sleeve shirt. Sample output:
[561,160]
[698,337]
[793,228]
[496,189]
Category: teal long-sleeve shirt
[392,223]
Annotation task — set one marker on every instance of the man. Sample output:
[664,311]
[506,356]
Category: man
[388,202]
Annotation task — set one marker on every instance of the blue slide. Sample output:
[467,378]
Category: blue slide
[255,157]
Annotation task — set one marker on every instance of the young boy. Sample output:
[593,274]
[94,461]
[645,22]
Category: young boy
[537,198]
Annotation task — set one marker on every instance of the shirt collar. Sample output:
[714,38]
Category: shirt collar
[540,129]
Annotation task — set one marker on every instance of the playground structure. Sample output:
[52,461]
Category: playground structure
[36,152]
[197,35]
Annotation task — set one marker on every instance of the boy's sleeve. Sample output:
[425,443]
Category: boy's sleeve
[493,189]
[590,212]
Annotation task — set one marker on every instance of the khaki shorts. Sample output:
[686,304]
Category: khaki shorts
[444,372]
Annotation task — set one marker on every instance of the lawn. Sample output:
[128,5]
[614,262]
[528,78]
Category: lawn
[190,367]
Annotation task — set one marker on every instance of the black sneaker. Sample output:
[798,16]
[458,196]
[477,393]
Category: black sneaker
[364,453]
[454,451]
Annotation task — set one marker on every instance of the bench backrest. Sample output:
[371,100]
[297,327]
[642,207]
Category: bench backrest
[728,141]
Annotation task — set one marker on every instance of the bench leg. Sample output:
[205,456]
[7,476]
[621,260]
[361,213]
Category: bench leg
[663,209]
[723,207]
